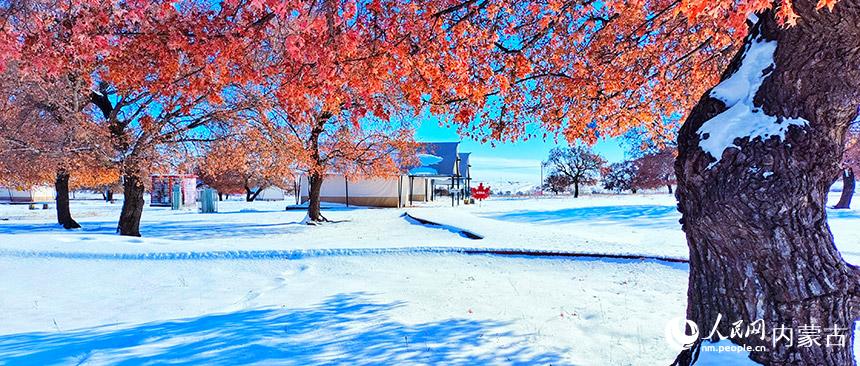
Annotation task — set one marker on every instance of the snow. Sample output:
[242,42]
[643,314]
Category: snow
[753,18]
[423,170]
[390,309]
[640,225]
[503,187]
[429,159]
[251,284]
[743,119]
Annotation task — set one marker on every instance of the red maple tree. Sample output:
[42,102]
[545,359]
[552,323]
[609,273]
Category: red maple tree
[655,170]
[46,137]
[243,162]
[156,71]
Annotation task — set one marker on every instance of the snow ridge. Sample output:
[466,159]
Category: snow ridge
[742,118]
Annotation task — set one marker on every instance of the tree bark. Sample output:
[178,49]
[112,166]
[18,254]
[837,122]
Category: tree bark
[108,195]
[64,213]
[755,222]
[670,188]
[847,188]
[132,205]
[575,189]
[315,188]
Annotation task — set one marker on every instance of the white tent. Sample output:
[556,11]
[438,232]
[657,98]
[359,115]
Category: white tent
[373,192]
[40,194]
[271,194]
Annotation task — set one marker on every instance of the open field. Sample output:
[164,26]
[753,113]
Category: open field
[251,285]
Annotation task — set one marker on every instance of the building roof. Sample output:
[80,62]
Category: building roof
[437,159]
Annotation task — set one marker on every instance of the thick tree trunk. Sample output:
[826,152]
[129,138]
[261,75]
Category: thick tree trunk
[575,189]
[755,220]
[670,188]
[132,205]
[847,188]
[314,213]
[109,195]
[220,196]
[64,214]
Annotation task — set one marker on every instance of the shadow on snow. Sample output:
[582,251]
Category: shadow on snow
[434,225]
[636,215]
[346,329]
[176,230]
[202,226]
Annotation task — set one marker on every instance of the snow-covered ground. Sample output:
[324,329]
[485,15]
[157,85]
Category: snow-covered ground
[417,309]
[251,285]
[608,224]
[646,225]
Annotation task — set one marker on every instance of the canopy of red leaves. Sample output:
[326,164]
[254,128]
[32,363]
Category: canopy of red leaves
[500,69]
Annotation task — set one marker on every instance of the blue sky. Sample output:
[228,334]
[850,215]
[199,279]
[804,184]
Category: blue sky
[514,162]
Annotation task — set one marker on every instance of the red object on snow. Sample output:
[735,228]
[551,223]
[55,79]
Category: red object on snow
[481,192]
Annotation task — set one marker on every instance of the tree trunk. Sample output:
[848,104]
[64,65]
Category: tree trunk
[847,189]
[220,196]
[109,195]
[64,214]
[670,188]
[575,189]
[755,220]
[132,205]
[314,213]
[251,195]
[315,180]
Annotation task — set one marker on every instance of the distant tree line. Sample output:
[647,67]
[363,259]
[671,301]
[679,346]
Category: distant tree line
[575,166]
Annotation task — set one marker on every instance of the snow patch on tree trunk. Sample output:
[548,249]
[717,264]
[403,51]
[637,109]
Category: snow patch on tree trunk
[742,118]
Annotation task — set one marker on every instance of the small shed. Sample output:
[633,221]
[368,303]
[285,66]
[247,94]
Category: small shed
[164,185]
